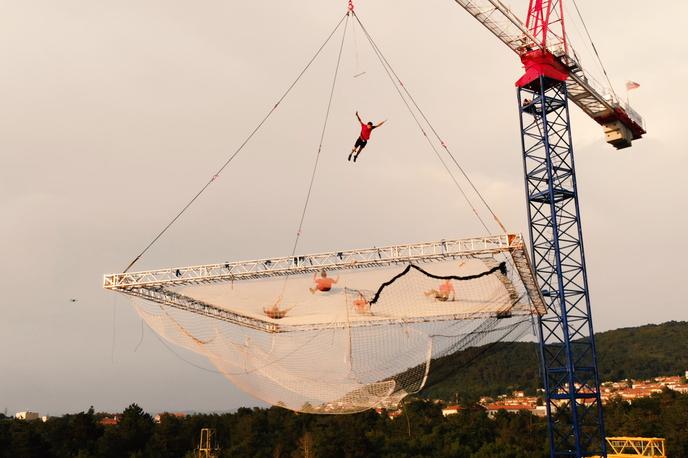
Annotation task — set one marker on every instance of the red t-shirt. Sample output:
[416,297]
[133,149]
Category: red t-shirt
[446,288]
[365,131]
[324,284]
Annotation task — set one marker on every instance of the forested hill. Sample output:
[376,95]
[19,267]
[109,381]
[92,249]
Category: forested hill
[638,353]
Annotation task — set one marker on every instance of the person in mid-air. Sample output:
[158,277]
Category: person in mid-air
[324,283]
[362,141]
[443,293]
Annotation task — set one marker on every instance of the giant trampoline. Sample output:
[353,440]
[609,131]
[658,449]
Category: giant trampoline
[342,331]
[366,342]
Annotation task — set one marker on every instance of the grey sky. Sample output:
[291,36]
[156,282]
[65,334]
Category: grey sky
[114,113]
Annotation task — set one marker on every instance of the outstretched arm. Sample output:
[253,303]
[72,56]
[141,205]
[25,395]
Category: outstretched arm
[381,123]
[359,118]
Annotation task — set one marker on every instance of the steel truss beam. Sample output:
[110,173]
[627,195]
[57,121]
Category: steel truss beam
[189,304]
[636,447]
[274,267]
[567,343]
[157,285]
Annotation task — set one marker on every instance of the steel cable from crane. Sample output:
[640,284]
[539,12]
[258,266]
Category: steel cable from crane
[594,48]
[322,138]
[357,71]
[420,127]
[240,148]
[395,79]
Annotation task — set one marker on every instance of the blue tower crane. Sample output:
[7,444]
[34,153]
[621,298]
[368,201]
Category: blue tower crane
[552,78]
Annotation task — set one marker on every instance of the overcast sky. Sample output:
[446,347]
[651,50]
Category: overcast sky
[112,114]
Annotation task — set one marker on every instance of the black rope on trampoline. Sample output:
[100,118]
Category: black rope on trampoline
[240,148]
[501,268]
[393,75]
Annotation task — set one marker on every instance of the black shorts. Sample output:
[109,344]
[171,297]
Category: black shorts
[360,142]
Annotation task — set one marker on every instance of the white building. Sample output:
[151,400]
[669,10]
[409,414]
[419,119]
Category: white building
[451,410]
[28,415]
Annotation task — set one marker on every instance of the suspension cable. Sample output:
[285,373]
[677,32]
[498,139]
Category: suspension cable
[322,137]
[420,126]
[240,148]
[393,75]
[594,48]
[357,71]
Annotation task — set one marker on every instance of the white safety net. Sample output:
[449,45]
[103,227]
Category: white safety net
[365,342]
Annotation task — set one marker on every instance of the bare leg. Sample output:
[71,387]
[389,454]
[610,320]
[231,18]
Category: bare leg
[433,292]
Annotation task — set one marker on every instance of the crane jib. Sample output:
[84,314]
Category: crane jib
[621,123]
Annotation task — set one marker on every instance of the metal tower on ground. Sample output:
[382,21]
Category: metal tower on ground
[553,76]
[567,342]
[630,447]
[206,447]
[567,345]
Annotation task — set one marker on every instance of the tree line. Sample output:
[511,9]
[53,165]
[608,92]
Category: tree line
[421,431]
[639,353]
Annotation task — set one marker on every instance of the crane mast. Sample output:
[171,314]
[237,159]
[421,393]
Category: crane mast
[553,77]
[567,345]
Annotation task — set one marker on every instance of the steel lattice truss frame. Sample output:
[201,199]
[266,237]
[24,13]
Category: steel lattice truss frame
[567,343]
[157,285]
[566,335]
[636,446]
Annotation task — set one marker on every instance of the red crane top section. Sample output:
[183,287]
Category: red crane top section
[545,21]
[541,44]
[545,18]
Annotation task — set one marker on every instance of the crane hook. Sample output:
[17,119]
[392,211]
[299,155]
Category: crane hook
[351,6]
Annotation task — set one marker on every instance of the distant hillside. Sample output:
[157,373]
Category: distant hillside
[640,352]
